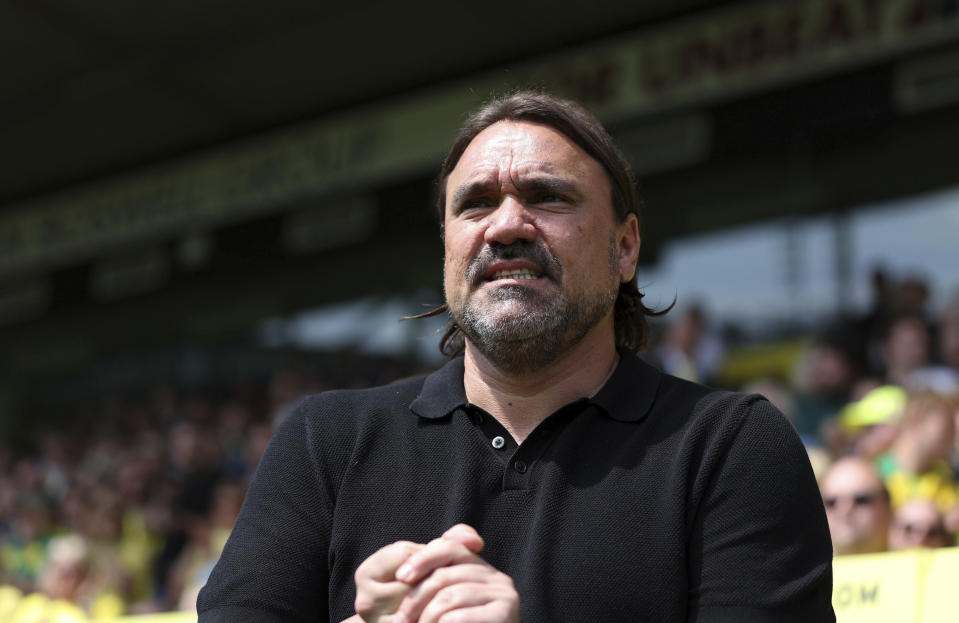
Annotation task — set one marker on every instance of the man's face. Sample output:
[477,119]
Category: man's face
[918,524]
[534,253]
[856,507]
[907,346]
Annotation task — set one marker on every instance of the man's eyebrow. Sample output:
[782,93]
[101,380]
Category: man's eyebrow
[470,189]
[549,184]
[545,183]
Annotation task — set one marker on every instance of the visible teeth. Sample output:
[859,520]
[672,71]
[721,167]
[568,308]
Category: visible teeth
[520,273]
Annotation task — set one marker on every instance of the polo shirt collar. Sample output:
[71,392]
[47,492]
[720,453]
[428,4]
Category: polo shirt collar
[442,391]
[629,393]
[627,396]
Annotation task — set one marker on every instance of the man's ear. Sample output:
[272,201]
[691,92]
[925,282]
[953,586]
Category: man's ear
[628,243]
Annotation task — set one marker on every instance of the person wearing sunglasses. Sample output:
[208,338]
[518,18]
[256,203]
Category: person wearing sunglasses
[857,507]
[919,523]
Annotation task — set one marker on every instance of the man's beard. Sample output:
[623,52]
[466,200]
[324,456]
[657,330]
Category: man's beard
[541,328]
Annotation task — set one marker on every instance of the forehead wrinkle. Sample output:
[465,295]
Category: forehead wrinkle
[541,170]
[510,157]
[533,174]
[483,177]
[568,171]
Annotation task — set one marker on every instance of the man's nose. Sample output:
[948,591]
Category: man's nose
[509,222]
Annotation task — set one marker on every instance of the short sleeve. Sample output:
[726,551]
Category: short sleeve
[274,566]
[759,547]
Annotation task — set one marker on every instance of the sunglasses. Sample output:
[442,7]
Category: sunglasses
[859,499]
[933,531]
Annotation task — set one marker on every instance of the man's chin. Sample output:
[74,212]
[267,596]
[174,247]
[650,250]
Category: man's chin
[850,540]
[507,323]
[514,329]
[516,302]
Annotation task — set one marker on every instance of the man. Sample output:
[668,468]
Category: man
[857,507]
[949,336]
[919,523]
[907,348]
[580,483]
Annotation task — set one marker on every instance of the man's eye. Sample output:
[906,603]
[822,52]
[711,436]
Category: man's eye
[478,203]
[548,198]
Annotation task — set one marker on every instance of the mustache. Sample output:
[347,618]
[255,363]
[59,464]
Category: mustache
[539,255]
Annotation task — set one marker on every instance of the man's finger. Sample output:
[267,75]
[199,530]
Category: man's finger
[437,553]
[480,603]
[465,535]
[423,593]
[376,598]
[377,590]
[382,565]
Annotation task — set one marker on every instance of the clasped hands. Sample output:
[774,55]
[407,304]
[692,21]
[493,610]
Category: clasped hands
[443,581]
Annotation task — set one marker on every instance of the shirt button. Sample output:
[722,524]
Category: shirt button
[520,466]
[498,442]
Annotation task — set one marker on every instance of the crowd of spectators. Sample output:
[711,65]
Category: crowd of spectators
[885,438]
[876,400]
[127,509]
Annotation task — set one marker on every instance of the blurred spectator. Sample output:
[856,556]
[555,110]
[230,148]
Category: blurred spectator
[949,336]
[906,348]
[919,523]
[857,507]
[70,573]
[207,536]
[823,379]
[689,349]
[31,526]
[233,420]
[912,296]
[869,425]
[917,464]
[257,438]
[868,328]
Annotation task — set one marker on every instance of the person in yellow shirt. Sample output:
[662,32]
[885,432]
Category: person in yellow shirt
[917,463]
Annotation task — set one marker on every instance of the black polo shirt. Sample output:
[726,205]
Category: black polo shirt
[655,500]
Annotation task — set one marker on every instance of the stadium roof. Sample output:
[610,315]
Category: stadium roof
[94,88]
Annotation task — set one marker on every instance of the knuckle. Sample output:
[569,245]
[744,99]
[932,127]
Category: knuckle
[502,611]
[364,605]
[359,576]
[460,527]
[431,584]
[448,594]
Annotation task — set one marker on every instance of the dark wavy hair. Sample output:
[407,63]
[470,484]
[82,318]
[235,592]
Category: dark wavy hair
[582,127]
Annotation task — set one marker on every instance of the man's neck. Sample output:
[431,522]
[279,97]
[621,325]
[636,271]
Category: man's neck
[521,402]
